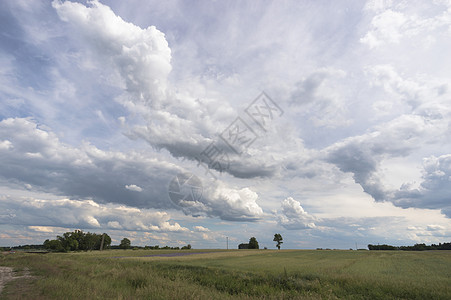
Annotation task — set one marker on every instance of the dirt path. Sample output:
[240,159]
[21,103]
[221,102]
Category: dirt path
[7,274]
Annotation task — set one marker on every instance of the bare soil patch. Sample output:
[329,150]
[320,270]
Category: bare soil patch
[7,274]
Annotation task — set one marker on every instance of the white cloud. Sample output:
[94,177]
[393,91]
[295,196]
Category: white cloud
[233,204]
[201,229]
[394,22]
[133,187]
[5,145]
[435,227]
[141,56]
[387,28]
[42,214]
[41,228]
[293,216]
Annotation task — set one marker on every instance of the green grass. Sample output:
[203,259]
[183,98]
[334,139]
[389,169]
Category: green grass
[244,274]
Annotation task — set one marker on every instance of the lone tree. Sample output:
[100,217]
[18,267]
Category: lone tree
[125,244]
[253,244]
[278,238]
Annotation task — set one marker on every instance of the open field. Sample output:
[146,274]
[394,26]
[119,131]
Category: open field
[233,274]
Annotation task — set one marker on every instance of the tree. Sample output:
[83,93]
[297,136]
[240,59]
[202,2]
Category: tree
[54,245]
[253,244]
[278,238]
[125,244]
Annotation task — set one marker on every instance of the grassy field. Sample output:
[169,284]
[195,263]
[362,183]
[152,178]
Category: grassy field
[233,274]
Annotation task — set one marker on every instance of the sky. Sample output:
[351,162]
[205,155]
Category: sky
[197,122]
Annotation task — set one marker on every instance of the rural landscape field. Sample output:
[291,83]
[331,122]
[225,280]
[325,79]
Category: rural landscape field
[232,274]
[228,149]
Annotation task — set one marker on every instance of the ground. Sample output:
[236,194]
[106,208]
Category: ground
[232,274]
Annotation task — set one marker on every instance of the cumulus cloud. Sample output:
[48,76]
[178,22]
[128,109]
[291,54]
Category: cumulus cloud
[83,172]
[142,60]
[227,203]
[234,205]
[176,121]
[43,214]
[293,216]
[90,173]
[142,57]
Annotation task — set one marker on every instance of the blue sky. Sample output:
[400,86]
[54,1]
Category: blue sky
[103,103]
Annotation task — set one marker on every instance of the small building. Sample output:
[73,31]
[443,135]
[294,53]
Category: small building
[243,246]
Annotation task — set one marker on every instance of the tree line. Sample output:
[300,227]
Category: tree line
[78,240]
[416,247]
[85,241]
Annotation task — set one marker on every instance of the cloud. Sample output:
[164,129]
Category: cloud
[43,214]
[141,56]
[5,145]
[435,227]
[227,203]
[294,217]
[423,121]
[234,205]
[98,104]
[201,229]
[176,121]
[133,187]
[41,228]
[434,191]
[393,22]
[83,172]
[318,98]
[90,173]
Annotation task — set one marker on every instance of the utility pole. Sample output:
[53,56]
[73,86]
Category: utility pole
[103,240]
[227,242]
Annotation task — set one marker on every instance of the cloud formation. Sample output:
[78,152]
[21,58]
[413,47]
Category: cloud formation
[293,216]
[104,103]
[85,214]
[103,176]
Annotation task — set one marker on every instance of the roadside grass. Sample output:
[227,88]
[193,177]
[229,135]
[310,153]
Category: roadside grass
[233,274]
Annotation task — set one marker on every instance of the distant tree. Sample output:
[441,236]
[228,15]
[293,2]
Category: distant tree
[125,244]
[54,245]
[278,238]
[187,247]
[253,244]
